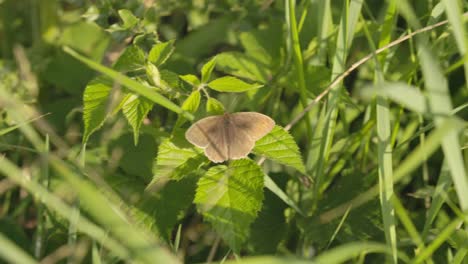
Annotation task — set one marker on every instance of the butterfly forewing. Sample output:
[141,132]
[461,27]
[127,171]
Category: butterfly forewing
[201,132]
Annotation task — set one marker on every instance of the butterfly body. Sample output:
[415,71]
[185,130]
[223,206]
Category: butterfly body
[229,136]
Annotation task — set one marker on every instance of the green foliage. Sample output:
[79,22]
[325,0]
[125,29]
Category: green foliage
[280,146]
[160,52]
[172,159]
[229,197]
[96,98]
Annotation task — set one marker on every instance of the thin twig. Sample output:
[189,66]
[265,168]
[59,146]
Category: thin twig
[356,65]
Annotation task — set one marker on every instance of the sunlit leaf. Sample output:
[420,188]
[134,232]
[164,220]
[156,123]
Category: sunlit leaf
[135,108]
[95,102]
[190,79]
[241,65]
[207,69]
[191,105]
[170,157]
[129,20]
[132,58]
[229,197]
[280,146]
[161,52]
[214,107]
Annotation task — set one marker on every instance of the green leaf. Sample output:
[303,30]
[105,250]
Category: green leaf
[172,80]
[251,43]
[190,79]
[153,74]
[129,20]
[191,105]
[207,69]
[133,58]
[232,84]
[280,146]
[95,101]
[134,160]
[214,107]
[135,108]
[131,84]
[229,197]
[160,52]
[161,210]
[170,157]
[192,102]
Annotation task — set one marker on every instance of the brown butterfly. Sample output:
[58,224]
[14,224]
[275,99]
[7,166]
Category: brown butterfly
[229,136]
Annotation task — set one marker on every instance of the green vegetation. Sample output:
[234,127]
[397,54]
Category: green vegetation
[367,162]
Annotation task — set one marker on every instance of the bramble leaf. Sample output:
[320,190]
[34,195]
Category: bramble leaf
[95,101]
[207,69]
[171,160]
[129,20]
[279,145]
[161,52]
[229,197]
[135,108]
[132,58]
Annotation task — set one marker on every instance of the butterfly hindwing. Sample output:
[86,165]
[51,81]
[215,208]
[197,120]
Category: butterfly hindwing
[253,124]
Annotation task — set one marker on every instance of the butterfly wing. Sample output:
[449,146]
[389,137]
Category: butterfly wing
[218,149]
[200,132]
[230,136]
[239,143]
[253,124]
[208,133]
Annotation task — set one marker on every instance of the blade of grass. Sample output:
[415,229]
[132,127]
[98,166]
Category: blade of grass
[297,51]
[131,84]
[52,202]
[385,150]
[96,202]
[10,252]
[271,185]
[346,252]
[337,229]
[324,23]
[143,246]
[438,241]
[454,15]
[297,56]
[438,198]
[346,29]
[72,230]
[441,106]
[407,223]
[412,161]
